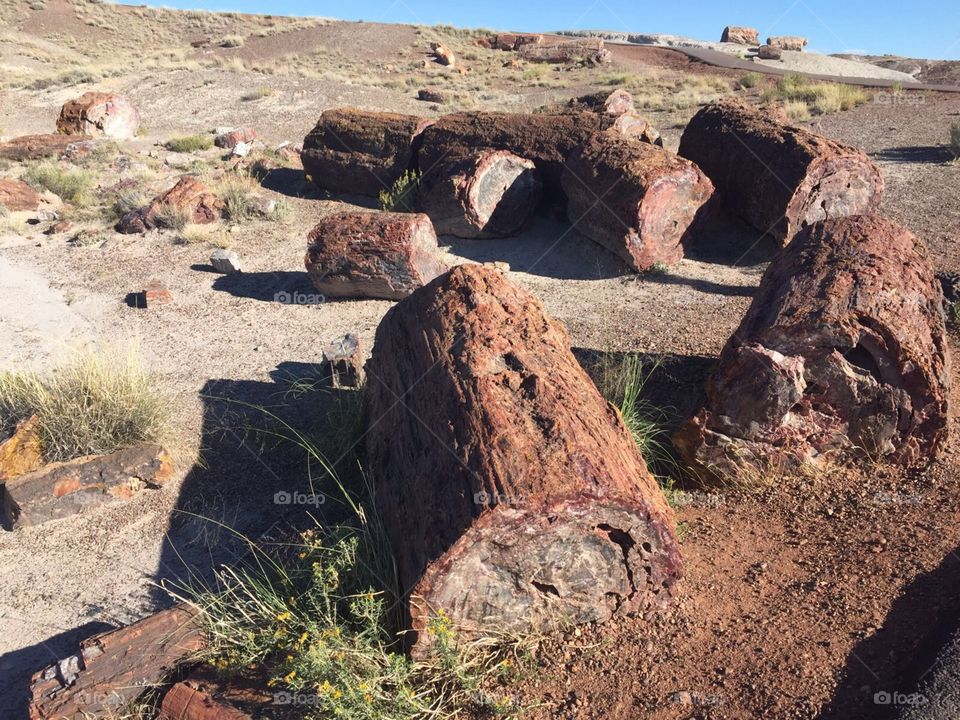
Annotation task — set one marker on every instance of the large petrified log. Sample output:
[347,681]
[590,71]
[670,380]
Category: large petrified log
[545,138]
[582,50]
[776,177]
[491,193]
[740,35]
[360,152]
[636,199]
[842,353]
[38,147]
[114,668]
[372,255]
[98,113]
[787,42]
[62,489]
[513,494]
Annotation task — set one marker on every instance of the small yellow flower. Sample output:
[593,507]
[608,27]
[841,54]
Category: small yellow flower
[288,678]
[283,617]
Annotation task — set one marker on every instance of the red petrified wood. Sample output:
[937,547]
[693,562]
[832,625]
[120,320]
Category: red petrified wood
[513,494]
[636,199]
[372,255]
[776,177]
[843,352]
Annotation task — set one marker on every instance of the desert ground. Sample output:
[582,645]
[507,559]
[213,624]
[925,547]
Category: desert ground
[801,598]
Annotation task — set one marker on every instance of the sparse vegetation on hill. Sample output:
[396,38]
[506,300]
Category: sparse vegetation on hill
[819,98]
[189,143]
[72,185]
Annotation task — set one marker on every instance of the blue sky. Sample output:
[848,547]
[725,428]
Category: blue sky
[921,28]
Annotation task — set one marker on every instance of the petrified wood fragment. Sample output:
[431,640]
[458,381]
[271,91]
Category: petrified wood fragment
[513,494]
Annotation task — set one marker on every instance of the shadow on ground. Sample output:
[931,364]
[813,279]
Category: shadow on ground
[286,286]
[923,618]
[936,154]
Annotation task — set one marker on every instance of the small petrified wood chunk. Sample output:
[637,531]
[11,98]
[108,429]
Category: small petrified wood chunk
[513,494]
[776,177]
[372,255]
[634,198]
[491,193]
[842,353]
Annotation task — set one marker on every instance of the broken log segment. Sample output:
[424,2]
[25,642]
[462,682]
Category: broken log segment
[491,193]
[360,152]
[637,200]
[39,147]
[372,255]
[776,177]
[582,50]
[513,494]
[842,353]
[114,668]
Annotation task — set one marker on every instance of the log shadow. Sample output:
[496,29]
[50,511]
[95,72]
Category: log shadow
[284,286]
[705,286]
[17,667]
[933,154]
[900,656]
[290,182]
[719,238]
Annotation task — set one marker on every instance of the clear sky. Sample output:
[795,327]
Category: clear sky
[915,28]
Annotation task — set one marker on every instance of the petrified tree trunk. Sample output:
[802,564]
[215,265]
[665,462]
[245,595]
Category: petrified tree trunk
[359,151]
[843,352]
[740,35]
[97,113]
[38,147]
[634,198]
[776,177]
[491,193]
[587,50]
[512,492]
[114,668]
[372,255]
[190,200]
[787,42]
[545,138]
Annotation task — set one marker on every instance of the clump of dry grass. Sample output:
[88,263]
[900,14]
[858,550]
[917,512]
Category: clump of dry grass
[820,98]
[72,185]
[237,193]
[189,143]
[94,402]
[258,94]
[232,41]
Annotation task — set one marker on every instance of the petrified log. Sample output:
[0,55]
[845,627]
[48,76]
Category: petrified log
[360,152]
[512,492]
[342,362]
[842,353]
[114,668]
[776,177]
[97,113]
[491,193]
[740,35]
[769,52]
[443,54]
[205,696]
[39,147]
[372,255]
[634,198]
[583,50]
[62,489]
[512,41]
[189,200]
[615,103]
[546,138]
[787,42]
[17,196]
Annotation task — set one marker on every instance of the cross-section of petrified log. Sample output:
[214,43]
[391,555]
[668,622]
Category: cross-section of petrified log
[491,193]
[360,152]
[545,138]
[776,177]
[634,198]
[98,113]
[842,353]
[114,668]
[372,255]
[62,489]
[513,494]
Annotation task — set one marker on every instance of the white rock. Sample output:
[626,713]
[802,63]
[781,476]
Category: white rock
[225,261]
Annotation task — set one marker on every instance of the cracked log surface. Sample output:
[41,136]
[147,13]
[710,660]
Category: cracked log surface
[776,177]
[360,152]
[372,255]
[842,352]
[513,494]
[634,198]
[490,193]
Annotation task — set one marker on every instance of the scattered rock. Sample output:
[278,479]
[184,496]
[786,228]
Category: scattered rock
[262,206]
[342,364]
[189,201]
[179,161]
[59,228]
[372,255]
[842,354]
[511,41]
[507,432]
[787,42]
[229,139]
[769,52]
[17,196]
[434,95]
[443,54]
[740,35]
[615,103]
[225,261]
[99,114]
[241,149]
[155,293]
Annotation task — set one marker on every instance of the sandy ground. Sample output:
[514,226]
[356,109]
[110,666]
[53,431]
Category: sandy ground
[740,646]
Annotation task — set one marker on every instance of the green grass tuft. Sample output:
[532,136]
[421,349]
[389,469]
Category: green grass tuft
[72,185]
[189,143]
[403,195]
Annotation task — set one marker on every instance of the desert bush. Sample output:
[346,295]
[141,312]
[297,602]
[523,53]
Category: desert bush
[237,193]
[67,78]
[751,79]
[258,94]
[211,234]
[402,196]
[232,41]
[94,402]
[820,98]
[797,110]
[189,143]
[171,217]
[126,201]
[72,185]
[955,140]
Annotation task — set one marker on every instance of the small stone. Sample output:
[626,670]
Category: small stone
[59,227]
[343,363]
[155,293]
[431,94]
[262,205]
[241,149]
[229,139]
[225,261]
